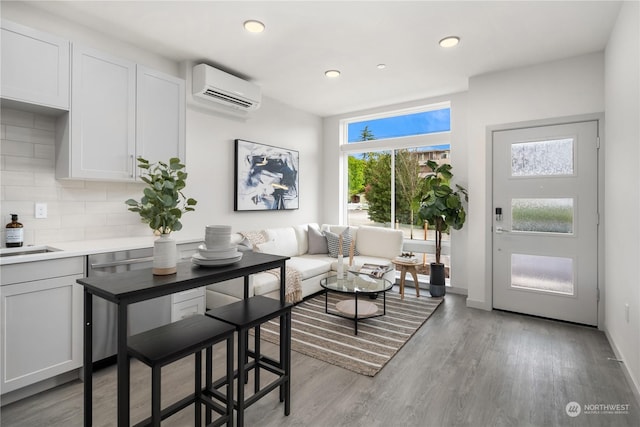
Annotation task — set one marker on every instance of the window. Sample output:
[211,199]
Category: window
[386,161]
[421,123]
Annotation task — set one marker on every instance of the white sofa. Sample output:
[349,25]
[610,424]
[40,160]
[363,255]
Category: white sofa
[372,245]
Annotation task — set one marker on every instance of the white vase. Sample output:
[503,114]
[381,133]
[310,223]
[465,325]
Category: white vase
[165,255]
[340,267]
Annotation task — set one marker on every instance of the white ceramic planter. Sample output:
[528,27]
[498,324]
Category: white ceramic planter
[165,255]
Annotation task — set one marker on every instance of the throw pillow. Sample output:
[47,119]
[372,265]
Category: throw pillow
[317,242]
[333,241]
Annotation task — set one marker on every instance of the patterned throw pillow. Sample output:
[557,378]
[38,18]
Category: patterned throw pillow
[333,241]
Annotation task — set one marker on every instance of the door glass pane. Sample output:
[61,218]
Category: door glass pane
[542,215]
[542,273]
[542,158]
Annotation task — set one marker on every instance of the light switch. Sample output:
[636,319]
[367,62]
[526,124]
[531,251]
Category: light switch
[41,210]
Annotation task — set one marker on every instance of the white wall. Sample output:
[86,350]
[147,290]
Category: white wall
[81,210]
[210,159]
[334,171]
[622,188]
[568,87]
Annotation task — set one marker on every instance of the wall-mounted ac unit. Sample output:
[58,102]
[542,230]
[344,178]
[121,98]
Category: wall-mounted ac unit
[217,86]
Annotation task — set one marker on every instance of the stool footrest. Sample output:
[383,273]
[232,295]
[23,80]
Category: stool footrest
[248,401]
[170,410]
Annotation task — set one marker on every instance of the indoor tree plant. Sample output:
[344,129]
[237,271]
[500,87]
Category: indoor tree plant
[443,209]
[162,206]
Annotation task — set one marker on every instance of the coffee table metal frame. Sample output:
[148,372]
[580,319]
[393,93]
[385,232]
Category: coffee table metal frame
[356,284]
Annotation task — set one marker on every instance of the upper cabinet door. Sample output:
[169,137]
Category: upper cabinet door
[103,115]
[160,127]
[35,67]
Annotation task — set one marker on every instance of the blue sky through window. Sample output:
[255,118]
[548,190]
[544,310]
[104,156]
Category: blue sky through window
[407,125]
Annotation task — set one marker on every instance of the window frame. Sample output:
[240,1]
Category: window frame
[388,144]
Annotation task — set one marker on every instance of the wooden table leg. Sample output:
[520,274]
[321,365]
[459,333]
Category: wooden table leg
[403,274]
[414,274]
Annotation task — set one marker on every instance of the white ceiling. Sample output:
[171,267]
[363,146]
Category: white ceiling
[304,38]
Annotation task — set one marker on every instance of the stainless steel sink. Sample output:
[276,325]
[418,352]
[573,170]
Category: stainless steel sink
[27,250]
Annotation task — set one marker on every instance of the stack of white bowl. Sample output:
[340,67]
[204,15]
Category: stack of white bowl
[217,249]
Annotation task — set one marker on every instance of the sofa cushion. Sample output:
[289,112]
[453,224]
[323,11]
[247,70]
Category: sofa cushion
[310,266]
[272,247]
[317,242]
[285,239]
[301,236]
[379,242]
[264,283]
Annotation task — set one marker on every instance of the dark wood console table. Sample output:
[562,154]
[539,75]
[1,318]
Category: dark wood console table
[140,285]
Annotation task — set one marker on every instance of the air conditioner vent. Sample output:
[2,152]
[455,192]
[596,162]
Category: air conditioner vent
[217,86]
[227,98]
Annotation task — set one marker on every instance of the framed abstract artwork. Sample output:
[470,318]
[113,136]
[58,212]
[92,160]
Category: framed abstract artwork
[266,177]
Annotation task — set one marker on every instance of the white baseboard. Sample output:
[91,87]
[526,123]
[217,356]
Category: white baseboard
[482,305]
[633,384]
[30,390]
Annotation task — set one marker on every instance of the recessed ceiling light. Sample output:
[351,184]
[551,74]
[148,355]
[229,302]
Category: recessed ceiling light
[332,74]
[381,66]
[254,26]
[450,41]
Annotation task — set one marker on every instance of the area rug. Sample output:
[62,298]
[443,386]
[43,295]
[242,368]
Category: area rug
[331,338]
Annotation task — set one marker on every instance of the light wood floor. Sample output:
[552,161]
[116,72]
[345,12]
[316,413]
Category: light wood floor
[464,367]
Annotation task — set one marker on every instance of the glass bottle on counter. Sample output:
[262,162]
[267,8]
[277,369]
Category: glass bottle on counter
[15,233]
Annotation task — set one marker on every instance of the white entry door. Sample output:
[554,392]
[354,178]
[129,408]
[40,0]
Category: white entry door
[545,226]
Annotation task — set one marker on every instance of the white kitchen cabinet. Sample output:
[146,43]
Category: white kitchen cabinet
[188,303]
[102,119]
[160,119]
[42,316]
[120,111]
[35,67]
[192,301]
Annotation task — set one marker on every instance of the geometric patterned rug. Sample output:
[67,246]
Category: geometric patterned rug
[331,338]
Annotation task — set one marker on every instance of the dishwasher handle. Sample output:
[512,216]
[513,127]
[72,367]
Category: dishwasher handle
[122,262]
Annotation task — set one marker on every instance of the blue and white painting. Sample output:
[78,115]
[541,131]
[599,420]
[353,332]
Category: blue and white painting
[266,177]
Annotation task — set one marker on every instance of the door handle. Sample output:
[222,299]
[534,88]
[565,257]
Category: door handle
[502,230]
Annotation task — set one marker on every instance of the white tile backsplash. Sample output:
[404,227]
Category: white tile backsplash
[17,118]
[17,148]
[76,209]
[18,178]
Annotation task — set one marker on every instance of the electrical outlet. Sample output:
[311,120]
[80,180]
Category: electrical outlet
[41,210]
[626,312]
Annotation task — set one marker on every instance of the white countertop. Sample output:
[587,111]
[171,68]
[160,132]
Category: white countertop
[87,247]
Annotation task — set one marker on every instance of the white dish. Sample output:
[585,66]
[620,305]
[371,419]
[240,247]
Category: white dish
[229,253]
[227,247]
[198,260]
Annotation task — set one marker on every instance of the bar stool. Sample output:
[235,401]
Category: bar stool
[247,314]
[166,344]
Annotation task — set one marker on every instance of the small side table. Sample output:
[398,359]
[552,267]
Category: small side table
[407,266]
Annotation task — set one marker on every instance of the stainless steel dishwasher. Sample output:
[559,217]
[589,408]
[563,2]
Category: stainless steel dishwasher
[142,316]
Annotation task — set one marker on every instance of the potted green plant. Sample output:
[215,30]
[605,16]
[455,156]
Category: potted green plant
[162,206]
[443,209]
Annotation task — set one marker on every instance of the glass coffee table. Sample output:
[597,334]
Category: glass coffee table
[358,285]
